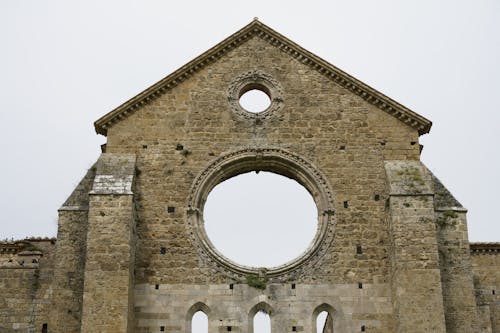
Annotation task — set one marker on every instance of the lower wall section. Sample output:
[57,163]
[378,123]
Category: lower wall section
[486,269]
[292,307]
[18,288]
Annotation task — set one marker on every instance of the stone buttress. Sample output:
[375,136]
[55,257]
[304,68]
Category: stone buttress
[109,267]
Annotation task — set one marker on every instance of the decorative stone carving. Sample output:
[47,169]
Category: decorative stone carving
[255,80]
[262,159]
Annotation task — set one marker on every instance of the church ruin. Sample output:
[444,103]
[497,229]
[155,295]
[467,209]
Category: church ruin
[391,252]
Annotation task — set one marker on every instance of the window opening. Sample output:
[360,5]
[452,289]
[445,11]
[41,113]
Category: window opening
[255,101]
[261,323]
[260,220]
[199,322]
[321,321]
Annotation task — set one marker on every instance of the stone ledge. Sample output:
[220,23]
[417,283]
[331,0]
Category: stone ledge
[73,208]
[114,175]
[454,209]
[408,178]
[485,248]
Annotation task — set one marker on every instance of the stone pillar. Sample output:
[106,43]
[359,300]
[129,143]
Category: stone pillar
[69,260]
[109,268]
[455,262]
[415,275]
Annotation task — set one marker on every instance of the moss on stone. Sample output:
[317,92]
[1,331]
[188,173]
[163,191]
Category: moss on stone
[256,282]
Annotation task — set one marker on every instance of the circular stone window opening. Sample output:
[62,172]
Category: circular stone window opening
[260,220]
[255,99]
[255,95]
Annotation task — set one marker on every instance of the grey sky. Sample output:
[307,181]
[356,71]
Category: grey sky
[65,63]
[271,221]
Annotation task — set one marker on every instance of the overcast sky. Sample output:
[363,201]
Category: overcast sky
[64,64]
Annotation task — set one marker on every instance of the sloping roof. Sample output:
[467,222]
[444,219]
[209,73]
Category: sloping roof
[256,28]
[442,197]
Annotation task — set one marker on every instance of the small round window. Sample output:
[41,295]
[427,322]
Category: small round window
[255,100]
[255,95]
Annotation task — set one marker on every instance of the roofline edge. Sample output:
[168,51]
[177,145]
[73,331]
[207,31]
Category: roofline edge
[257,28]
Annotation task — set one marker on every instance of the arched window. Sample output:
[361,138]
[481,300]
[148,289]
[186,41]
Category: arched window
[322,318]
[197,318]
[199,322]
[259,318]
[261,323]
[321,322]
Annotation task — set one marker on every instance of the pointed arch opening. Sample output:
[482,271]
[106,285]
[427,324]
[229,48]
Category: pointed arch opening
[259,318]
[197,318]
[321,322]
[261,323]
[199,322]
[322,319]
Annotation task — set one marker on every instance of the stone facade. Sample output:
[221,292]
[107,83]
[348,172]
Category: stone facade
[486,265]
[391,253]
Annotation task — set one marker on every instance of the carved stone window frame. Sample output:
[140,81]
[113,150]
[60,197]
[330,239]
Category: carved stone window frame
[259,80]
[274,160]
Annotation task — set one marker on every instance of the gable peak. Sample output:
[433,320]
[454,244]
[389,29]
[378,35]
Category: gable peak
[259,29]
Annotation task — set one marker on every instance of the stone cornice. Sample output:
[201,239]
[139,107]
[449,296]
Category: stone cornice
[73,208]
[16,246]
[485,248]
[8,247]
[256,28]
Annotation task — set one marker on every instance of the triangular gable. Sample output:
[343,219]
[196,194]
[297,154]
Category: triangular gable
[256,28]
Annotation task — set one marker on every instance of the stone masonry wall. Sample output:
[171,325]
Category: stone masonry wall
[66,313]
[109,267]
[486,268]
[291,309]
[454,261]
[416,280]
[25,285]
[394,253]
[18,286]
[456,272]
[345,137]
[68,281]
[43,288]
